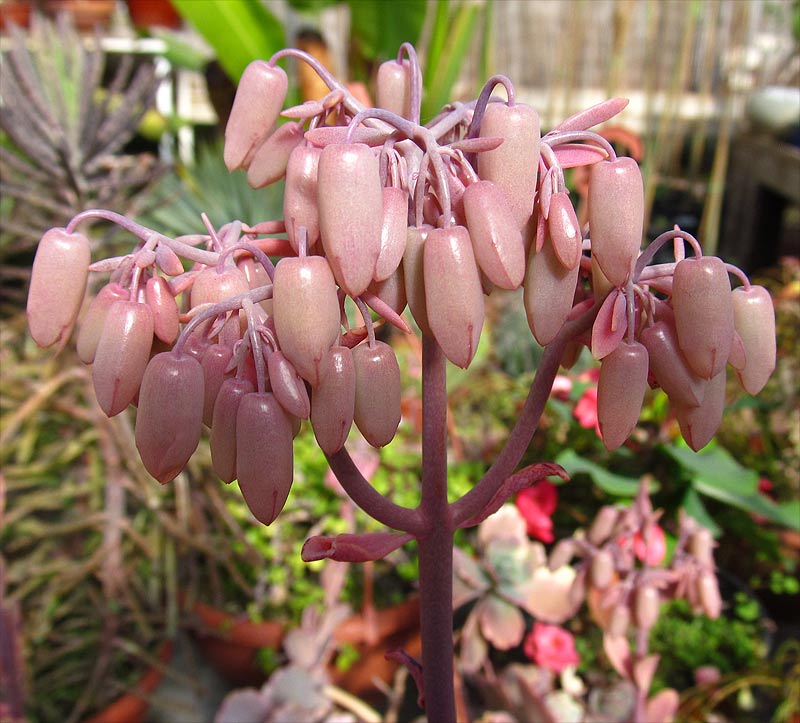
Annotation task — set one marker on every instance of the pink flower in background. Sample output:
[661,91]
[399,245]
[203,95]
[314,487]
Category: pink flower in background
[537,504]
[562,386]
[654,550]
[552,647]
[586,409]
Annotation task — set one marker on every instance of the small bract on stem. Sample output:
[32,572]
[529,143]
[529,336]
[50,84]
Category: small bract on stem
[253,334]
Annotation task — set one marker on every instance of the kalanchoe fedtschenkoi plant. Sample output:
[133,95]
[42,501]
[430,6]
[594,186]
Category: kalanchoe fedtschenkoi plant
[393,214]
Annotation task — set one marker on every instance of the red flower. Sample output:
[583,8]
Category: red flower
[536,504]
[552,647]
[586,409]
[654,550]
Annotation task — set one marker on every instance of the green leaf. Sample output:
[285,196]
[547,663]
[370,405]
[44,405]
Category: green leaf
[613,484]
[694,507]
[380,27]
[239,31]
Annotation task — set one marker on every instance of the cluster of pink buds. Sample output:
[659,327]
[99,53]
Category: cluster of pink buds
[211,330]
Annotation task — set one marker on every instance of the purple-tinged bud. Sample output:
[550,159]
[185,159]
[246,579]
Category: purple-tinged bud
[514,165]
[305,308]
[668,366]
[414,275]
[287,386]
[269,161]
[393,232]
[212,286]
[754,321]
[699,424]
[169,418]
[377,409]
[256,107]
[91,325]
[166,324]
[646,607]
[393,87]
[333,401]
[496,239]
[701,299]
[264,455]
[708,594]
[616,216]
[453,293]
[602,572]
[350,199]
[619,620]
[223,426]
[620,392]
[548,294]
[564,229]
[603,525]
[300,195]
[58,283]
[122,355]
[214,363]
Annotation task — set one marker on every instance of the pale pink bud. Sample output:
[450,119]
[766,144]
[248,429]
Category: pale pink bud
[601,286]
[269,161]
[287,386]
[333,401]
[414,275]
[603,525]
[166,325]
[602,569]
[701,299]
[91,325]
[300,195]
[699,424]
[169,418]
[168,261]
[564,229]
[306,313]
[646,607]
[708,593]
[701,547]
[620,620]
[616,216]
[754,321]
[668,366]
[496,239]
[122,355]
[620,392]
[393,232]
[214,363]
[223,426]
[514,165]
[350,199]
[377,402]
[212,286]
[453,293]
[392,290]
[393,87]
[58,283]
[561,554]
[264,455]
[256,107]
[548,294]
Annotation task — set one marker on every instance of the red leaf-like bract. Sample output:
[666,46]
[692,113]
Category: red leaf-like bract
[363,547]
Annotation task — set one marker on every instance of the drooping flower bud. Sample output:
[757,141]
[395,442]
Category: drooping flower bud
[602,569]
[668,365]
[414,275]
[122,355]
[306,313]
[603,525]
[701,298]
[256,107]
[616,216]
[58,283]
[646,606]
[496,240]
[300,208]
[393,232]
[453,293]
[264,455]
[701,547]
[700,423]
[269,161]
[223,426]
[287,386]
[91,325]
[393,87]
[214,363]
[166,324]
[754,321]
[564,229]
[169,418]
[391,291]
[377,401]
[212,286]
[708,594]
[620,392]
[333,401]
[350,199]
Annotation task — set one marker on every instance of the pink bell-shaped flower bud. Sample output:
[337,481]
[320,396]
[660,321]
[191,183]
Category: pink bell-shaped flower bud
[646,605]
[305,309]
[287,386]
[393,87]
[701,299]
[565,231]
[669,367]
[58,283]
[514,165]
[169,418]
[256,107]
[700,423]
[616,216]
[549,290]
[496,239]
[223,426]
[212,286]
[392,290]
[333,401]
[214,363]
[91,325]
[122,355]
[166,324]
[414,276]
[620,392]
[377,401]
[168,261]
[754,321]
[393,232]
[300,195]
[708,594]
[264,455]
[269,161]
[350,198]
[453,293]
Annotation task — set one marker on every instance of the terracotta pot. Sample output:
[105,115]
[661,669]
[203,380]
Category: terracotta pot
[132,707]
[231,644]
[153,13]
[16,12]
[86,14]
